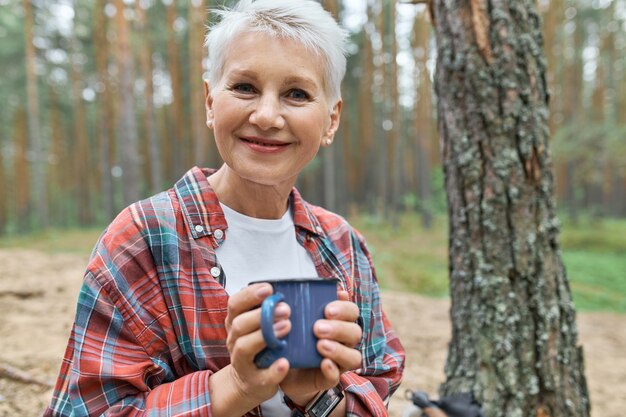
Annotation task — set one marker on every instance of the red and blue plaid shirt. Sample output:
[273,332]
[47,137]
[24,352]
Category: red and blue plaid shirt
[149,329]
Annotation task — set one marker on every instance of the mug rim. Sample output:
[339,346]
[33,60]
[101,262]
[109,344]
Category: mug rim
[278,280]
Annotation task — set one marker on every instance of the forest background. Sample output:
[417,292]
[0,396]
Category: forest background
[102,108]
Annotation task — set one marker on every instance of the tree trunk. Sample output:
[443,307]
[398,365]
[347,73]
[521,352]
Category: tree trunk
[38,159]
[572,111]
[381,113]
[366,126]
[129,156]
[4,192]
[422,121]
[329,172]
[514,338]
[150,124]
[80,157]
[181,143]
[204,149]
[22,181]
[394,145]
[105,113]
[58,178]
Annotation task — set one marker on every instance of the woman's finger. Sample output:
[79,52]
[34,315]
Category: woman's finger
[245,300]
[347,333]
[247,346]
[346,358]
[342,310]
[250,321]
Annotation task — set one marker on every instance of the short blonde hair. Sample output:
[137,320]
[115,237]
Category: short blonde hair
[303,21]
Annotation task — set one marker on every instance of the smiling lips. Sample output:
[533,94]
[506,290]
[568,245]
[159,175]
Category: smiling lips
[264,145]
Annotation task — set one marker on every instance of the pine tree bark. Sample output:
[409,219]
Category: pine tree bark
[514,339]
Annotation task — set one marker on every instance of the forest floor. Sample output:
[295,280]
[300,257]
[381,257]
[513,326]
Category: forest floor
[38,293]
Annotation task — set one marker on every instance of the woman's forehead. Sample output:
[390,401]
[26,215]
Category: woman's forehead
[254,55]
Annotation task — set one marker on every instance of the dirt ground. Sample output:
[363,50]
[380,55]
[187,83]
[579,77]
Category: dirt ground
[38,295]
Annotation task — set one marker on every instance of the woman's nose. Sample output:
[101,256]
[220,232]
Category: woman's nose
[267,114]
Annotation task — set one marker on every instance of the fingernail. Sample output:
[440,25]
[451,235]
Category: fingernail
[323,328]
[280,325]
[332,311]
[281,310]
[264,291]
[328,346]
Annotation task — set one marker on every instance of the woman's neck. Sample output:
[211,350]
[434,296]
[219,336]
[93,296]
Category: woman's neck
[248,197]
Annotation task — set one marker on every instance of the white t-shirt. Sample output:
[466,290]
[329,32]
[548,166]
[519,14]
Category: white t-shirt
[256,249]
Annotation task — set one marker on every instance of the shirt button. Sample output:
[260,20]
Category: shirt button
[319,230]
[219,234]
[215,271]
[199,228]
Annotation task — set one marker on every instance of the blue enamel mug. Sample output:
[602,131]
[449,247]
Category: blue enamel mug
[307,298]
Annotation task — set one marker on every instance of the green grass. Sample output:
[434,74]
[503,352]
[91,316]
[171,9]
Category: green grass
[414,259]
[78,241]
[598,280]
[410,258]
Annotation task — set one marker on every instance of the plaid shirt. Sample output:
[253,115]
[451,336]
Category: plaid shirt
[149,329]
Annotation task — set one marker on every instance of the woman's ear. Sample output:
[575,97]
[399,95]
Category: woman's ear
[208,104]
[333,125]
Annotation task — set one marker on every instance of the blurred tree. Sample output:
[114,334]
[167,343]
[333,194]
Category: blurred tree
[394,143]
[153,160]
[80,161]
[180,148]
[514,339]
[37,152]
[21,171]
[59,177]
[422,129]
[329,171]
[364,154]
[105,116]
[4,212]
[127,128]
[203,148]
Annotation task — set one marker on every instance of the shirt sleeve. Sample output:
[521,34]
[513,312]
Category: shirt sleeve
[118,361]
[369,389]
[107,372]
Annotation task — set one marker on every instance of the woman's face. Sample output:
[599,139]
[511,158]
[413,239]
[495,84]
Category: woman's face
[270,113]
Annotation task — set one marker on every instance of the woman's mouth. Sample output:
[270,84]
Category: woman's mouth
[264,145]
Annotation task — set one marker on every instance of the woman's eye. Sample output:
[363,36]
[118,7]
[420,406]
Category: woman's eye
[298,94]
[243,88]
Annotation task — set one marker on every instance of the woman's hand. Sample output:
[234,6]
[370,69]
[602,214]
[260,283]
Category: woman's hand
[338,334]
[245,341]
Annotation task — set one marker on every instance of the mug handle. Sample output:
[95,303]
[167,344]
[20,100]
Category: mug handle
[267,321]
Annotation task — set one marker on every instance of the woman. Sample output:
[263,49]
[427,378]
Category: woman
[166,322]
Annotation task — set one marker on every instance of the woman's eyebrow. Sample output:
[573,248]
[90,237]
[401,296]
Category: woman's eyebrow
[300,80]
[243,73]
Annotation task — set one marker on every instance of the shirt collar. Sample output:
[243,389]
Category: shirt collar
[203,213]
[199,204]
